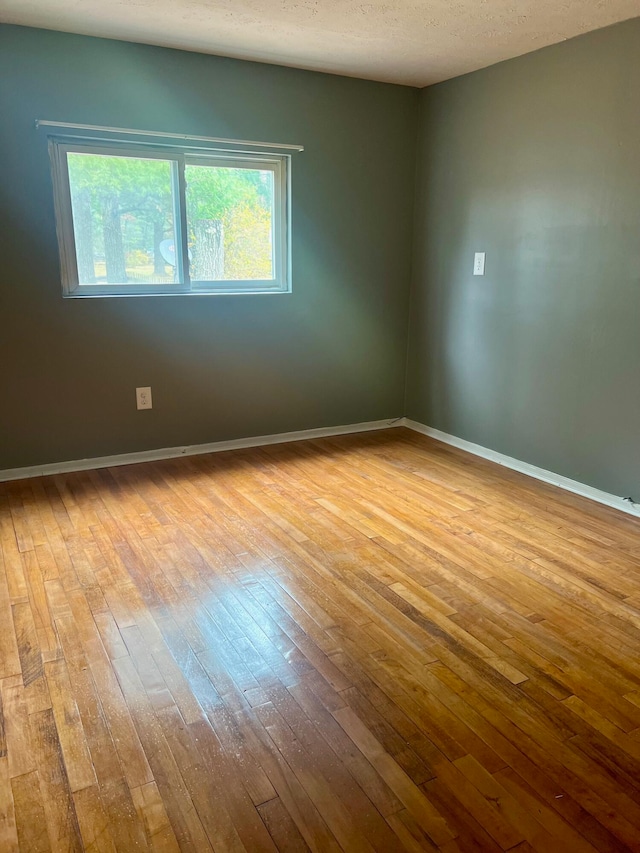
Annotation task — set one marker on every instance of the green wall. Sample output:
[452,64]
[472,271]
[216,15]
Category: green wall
[535,161]
[332,352]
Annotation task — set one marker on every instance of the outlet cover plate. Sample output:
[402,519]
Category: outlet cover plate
[143,398]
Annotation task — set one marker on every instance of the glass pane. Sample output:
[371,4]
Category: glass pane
[123,219]
[230,223]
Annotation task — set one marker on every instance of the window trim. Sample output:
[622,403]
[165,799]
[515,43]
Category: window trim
[179,157]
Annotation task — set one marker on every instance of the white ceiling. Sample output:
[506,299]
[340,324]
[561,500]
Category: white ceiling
[416,42]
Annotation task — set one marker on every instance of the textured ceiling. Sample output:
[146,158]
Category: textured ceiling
[416,42]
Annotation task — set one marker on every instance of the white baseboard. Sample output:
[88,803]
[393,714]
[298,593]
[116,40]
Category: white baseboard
[191,450]
[525,468]
[324,432]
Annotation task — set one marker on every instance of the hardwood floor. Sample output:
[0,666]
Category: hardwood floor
[371,642]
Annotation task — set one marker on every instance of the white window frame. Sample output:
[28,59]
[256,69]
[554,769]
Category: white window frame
[279,164]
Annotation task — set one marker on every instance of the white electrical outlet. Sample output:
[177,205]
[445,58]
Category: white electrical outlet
[478,263]
[143,398]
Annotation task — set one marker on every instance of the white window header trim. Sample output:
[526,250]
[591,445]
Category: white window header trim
[94,128]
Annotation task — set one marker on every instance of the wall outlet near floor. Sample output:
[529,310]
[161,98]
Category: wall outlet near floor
[143,398]
[478,263]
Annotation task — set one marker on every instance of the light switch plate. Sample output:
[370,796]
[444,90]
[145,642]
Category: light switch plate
[478,263]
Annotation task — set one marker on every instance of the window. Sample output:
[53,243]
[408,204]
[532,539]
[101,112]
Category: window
[142,219]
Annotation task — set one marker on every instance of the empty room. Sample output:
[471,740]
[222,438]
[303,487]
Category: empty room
[319,426]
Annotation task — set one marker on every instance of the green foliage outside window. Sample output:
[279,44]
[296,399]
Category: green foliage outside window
[123,216]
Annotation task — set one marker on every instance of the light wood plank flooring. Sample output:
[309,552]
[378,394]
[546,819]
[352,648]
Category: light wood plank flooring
[364,643]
